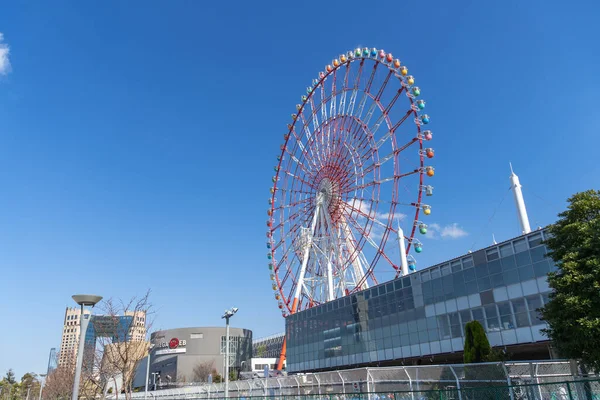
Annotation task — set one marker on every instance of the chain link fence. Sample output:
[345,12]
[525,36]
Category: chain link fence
[539,380]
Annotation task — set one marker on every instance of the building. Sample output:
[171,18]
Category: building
[420,318]
[190,354]
[265,353]
[129,327]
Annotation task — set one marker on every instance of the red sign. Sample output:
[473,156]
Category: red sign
[174,343]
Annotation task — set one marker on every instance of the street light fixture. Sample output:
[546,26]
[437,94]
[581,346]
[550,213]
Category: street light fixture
[150,347]
[83,300]
[228,314]
[41,385]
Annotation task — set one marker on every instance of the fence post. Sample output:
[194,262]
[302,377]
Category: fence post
[511,392]
[457,383]
[569,390]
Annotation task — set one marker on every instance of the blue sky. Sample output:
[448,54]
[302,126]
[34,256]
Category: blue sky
[137,140]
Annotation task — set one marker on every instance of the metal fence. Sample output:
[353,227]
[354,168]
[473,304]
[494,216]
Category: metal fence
[558,380]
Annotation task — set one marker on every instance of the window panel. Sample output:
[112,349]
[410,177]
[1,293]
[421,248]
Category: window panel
[523,259]
[484,284]
[538,254]
[446,270]
[481,270]
[469,275]
[506,250]
[467,262]
[465,316]
[506,318]
[435,273]
[494,267]
[497,280]
[535,239]
[444,327]
[541,268]
[526,273]
[508,263]
[510,277]
[491,315]
[478,316]
[456,266]
[520,245]
[492,254]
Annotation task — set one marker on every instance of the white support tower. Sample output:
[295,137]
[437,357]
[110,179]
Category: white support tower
[402,245]
[520,202]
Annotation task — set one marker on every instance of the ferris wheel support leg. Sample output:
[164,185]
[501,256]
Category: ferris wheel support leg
[403,260]
[300,282]
[330,291]
[356,263]
[306,254]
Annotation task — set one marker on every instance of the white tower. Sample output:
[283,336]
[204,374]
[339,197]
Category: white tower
[521,210]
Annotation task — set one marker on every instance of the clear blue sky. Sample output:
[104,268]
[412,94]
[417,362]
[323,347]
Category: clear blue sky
[137,140]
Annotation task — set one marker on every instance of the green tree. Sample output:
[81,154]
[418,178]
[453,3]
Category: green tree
[10,377]
[573,313]
[477,347]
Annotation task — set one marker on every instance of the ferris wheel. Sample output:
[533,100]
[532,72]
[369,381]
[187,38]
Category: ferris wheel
[351,174]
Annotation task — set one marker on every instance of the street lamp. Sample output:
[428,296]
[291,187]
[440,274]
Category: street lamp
[228,314]
[41,385]
[150,347]
[83,300]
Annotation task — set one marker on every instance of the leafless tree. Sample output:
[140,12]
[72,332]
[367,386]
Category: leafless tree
[121,339]
[202,370]
[59,383]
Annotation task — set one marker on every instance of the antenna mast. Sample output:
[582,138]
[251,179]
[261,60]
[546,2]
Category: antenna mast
[519,201]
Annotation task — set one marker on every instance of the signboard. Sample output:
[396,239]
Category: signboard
[170,351]
[171,347]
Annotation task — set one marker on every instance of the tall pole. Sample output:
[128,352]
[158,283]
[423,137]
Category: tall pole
[520,202]
[147,372]
[41,386]
[85,320]
[227,357]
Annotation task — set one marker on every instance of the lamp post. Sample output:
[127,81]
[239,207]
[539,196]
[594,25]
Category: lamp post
[41,385]
[228,314]
[84,320]
[150,347]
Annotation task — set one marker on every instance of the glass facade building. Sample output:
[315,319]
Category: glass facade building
[424,313]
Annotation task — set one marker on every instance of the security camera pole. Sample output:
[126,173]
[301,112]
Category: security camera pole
[228,314]
[84,320]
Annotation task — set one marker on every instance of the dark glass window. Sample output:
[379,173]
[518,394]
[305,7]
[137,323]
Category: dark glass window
[510,277]
[444,327]
[478,316]
[535,239]
[446,270]
[508,263]
[435,273]
[456,266]
[465,316]
[506,319]
[521,313]
[494,267]
[538,254]
[492,254]
[467,262]
[534,302]
[491,315]
[506,250]
[541,268]
[520,245]
[481,270]
[484,284]
[469,275]
[526,273]
[523,258]
[497,280]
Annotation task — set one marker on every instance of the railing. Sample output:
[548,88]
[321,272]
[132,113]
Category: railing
[556,380]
